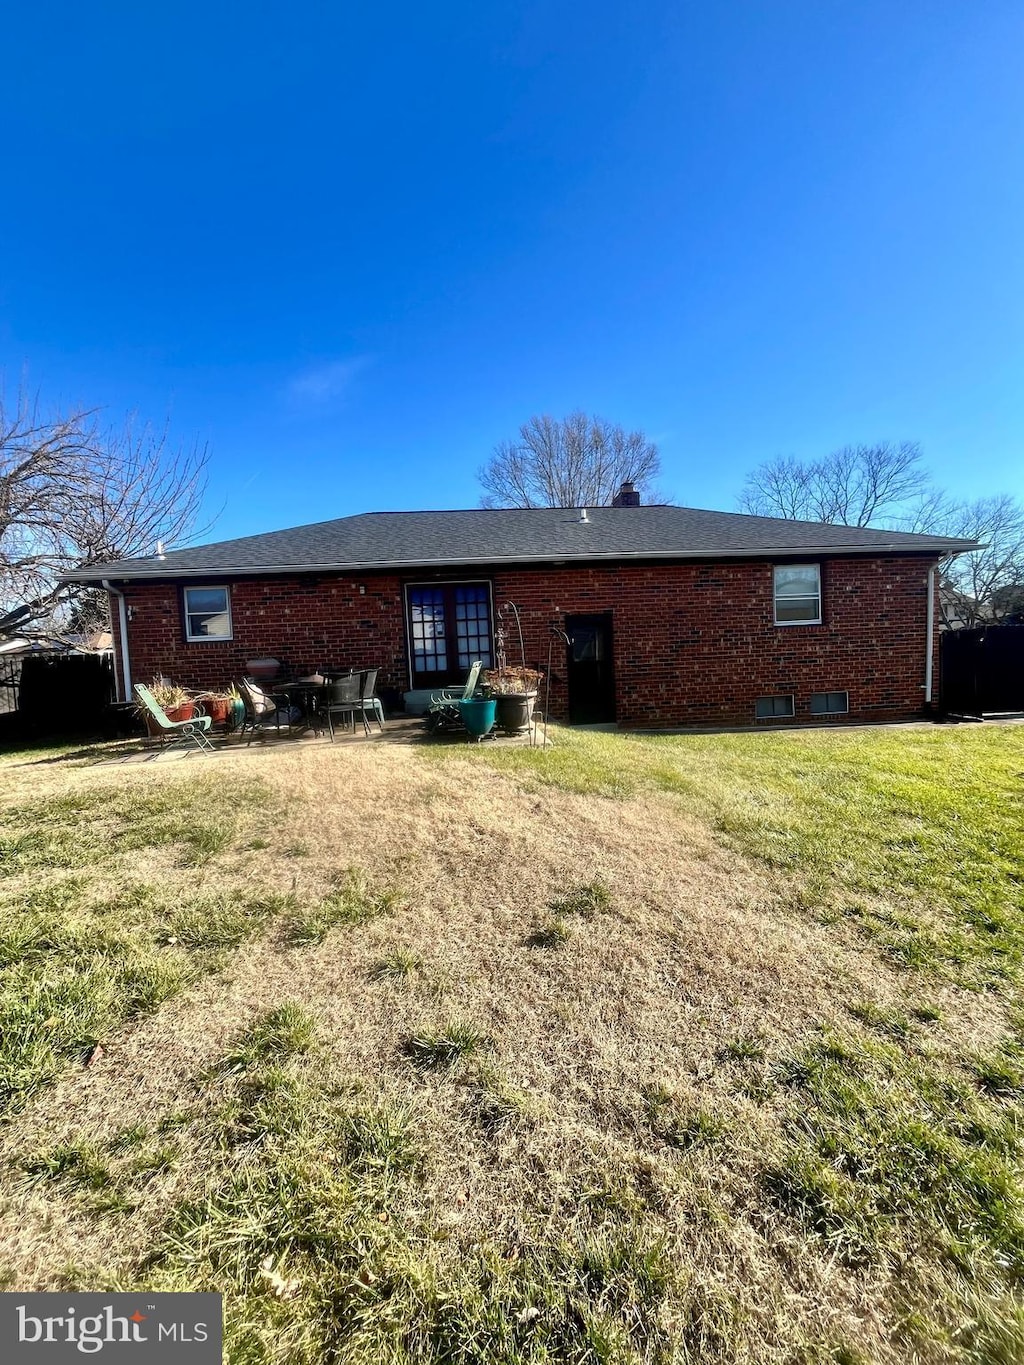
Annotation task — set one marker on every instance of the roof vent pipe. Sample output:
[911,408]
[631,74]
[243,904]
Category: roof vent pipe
[160,550]
[583,515]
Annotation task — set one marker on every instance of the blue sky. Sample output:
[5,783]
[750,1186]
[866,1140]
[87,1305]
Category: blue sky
[352,247]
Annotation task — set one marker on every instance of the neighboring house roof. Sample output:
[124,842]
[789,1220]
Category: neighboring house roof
[98,643]
[406,540]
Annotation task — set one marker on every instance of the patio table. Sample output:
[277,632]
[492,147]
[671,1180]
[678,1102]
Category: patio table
[305,694]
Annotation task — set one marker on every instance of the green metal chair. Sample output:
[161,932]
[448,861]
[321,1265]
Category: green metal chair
[175,732]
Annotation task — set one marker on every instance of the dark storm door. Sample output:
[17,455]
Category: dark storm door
[449,629]
[589,669]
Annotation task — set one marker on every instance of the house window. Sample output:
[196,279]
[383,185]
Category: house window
[449,629]
[797,594]
[207,614]
[829,703]
[767,708]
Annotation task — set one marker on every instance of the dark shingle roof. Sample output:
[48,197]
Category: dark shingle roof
[376,540]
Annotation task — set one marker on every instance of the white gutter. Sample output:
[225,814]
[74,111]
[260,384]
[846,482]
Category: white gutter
[122,621]
[930,637]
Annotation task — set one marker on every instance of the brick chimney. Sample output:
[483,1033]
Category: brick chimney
[627,496]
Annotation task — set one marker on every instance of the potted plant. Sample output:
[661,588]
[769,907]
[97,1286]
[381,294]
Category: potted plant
[514,688]
[236,709]
[217,706]
[175,701]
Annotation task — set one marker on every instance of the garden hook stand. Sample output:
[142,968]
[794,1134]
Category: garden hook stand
[554,633]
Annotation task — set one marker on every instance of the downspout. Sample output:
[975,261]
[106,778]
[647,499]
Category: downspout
[122,621]
[930,637]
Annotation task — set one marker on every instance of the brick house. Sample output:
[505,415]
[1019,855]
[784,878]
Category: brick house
[676,616]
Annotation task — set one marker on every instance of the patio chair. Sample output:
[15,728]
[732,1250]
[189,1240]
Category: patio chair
[444,711]
[262,710]
[369,702]
[343,699]
[176,732]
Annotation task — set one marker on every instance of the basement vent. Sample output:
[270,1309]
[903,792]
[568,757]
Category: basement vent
[768,708]
[830,703]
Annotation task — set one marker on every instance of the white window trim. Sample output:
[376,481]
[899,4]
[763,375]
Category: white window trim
[819,619]
[207,639]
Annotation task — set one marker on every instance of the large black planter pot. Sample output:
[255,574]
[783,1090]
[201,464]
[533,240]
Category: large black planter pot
[514,711]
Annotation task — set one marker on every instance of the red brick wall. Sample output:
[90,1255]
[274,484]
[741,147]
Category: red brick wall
[694,644]
[309,621]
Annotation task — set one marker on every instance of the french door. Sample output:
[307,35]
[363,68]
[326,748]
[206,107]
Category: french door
[449,628]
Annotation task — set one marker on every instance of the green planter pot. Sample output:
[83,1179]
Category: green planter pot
[478,716]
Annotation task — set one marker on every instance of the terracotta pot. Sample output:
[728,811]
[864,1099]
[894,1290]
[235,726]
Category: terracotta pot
[217,708]
[183,712]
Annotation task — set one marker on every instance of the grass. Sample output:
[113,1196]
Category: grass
[443,1048]
[74,967]
[397,966]
[352,902]
[549,933]
[680,1126]
[865,819]
[329,1259]
[773,1112]
[586,901]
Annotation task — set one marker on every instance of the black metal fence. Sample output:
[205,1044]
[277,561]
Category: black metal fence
[981,672]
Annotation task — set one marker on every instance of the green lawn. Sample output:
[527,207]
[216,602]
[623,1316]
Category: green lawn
[878,825]
[640,1051]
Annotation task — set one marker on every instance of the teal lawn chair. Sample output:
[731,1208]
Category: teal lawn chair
[175,732]
[444,711]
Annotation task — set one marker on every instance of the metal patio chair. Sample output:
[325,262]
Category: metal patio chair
[369,703]
[176,732]
[444,713]
[263,711]
[342,699]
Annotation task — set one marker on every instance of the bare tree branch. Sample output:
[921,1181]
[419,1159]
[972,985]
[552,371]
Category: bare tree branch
[886,485]
[983,586]
[579,461]
[72,493]
[859,485]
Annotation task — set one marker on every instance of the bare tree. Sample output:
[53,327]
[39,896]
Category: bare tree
[859,485]
[578,461]
[886,485]
[983,586]
[74,492]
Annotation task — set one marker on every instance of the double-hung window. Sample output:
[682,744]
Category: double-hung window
[449,629]
[797,594]
[207,614]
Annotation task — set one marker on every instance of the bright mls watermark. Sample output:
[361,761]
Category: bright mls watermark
[47,1329]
